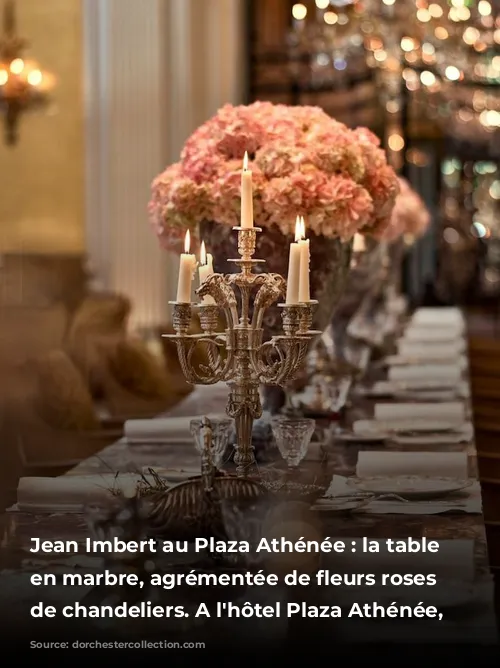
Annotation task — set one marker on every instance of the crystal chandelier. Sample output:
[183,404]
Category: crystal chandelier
[23,85]
[451,63]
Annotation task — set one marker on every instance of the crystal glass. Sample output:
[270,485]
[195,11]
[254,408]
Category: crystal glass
[221,431]
[293,436]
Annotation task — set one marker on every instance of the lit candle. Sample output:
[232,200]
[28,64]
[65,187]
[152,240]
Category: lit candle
[246,195]
[305,256]
[186,273]
[205,270]
[292,290]
[359,245]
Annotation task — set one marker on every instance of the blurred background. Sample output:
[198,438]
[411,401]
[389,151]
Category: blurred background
[99,95]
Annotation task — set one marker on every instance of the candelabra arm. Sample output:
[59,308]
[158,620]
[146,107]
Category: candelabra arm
[218,288]
[273,287]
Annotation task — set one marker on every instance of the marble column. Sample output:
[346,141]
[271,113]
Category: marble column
[155,70]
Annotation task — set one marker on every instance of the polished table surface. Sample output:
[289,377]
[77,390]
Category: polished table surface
[338,458]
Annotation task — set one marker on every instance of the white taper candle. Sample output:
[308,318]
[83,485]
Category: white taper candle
[246,195]
[305,257]
[292,290]
[186,272]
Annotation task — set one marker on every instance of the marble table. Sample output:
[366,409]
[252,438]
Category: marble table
[476,626]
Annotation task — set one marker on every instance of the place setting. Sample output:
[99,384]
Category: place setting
[412,483]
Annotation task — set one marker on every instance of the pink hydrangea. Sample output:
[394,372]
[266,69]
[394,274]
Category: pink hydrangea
[409,216]
[303,163]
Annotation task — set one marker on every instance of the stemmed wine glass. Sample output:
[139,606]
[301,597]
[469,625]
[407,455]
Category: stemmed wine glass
[221,431]
[293,435]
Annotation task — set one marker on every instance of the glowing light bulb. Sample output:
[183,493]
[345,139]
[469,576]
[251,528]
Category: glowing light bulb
[423,15]
[407,44]
[17,66]
[484,8]
[471,35]
[299,12]
[435,11]
[330,18]
[4,77]
[427,78]
[452,73]
[441,33]
[463,13]
[322,4]
[35,78]
[396,142]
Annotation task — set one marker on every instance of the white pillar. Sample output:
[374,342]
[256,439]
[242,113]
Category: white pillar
[155,70]
[125,58]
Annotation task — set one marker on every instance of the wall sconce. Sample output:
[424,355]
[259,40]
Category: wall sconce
[23,85]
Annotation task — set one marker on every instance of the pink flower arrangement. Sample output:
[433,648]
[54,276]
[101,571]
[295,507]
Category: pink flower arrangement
[303,163]
[409,216]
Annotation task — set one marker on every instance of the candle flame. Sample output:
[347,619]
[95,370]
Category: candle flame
[245,162]
[187,242]
[298,229]
[302,227]
[203,254]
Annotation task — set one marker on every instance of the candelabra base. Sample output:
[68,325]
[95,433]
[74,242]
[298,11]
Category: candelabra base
[244,407]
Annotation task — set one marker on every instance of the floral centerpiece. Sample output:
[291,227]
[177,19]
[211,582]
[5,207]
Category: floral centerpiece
[409,220]
[410,217]
[304,163]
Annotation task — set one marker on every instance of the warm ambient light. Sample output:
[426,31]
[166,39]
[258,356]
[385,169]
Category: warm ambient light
[203,253]
[484,8]
[322,4]
[187,242]
[17,66]
[35,78]
[389,3]
[427,78]
[298,229]
[396,142]
[302,227]
[299,12]
[408,44]
[441,33]
[452,73]
[435,11]
[423,15]
[330,18]
[4,77]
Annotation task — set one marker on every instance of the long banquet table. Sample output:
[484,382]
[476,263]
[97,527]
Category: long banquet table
[477,625]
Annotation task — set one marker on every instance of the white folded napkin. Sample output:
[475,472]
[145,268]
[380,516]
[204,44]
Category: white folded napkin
[71,492]
[159,430]
[435,464]
[452,411]
[167,430]
[432,334]
[454,560]
[448,372]
[418,391]
[438,316]
[463,501]
[431,350]
[202,400]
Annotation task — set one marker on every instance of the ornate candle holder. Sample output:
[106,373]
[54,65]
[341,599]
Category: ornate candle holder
[238,355]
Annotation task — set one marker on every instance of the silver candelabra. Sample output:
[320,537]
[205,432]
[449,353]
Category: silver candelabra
[238,355]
